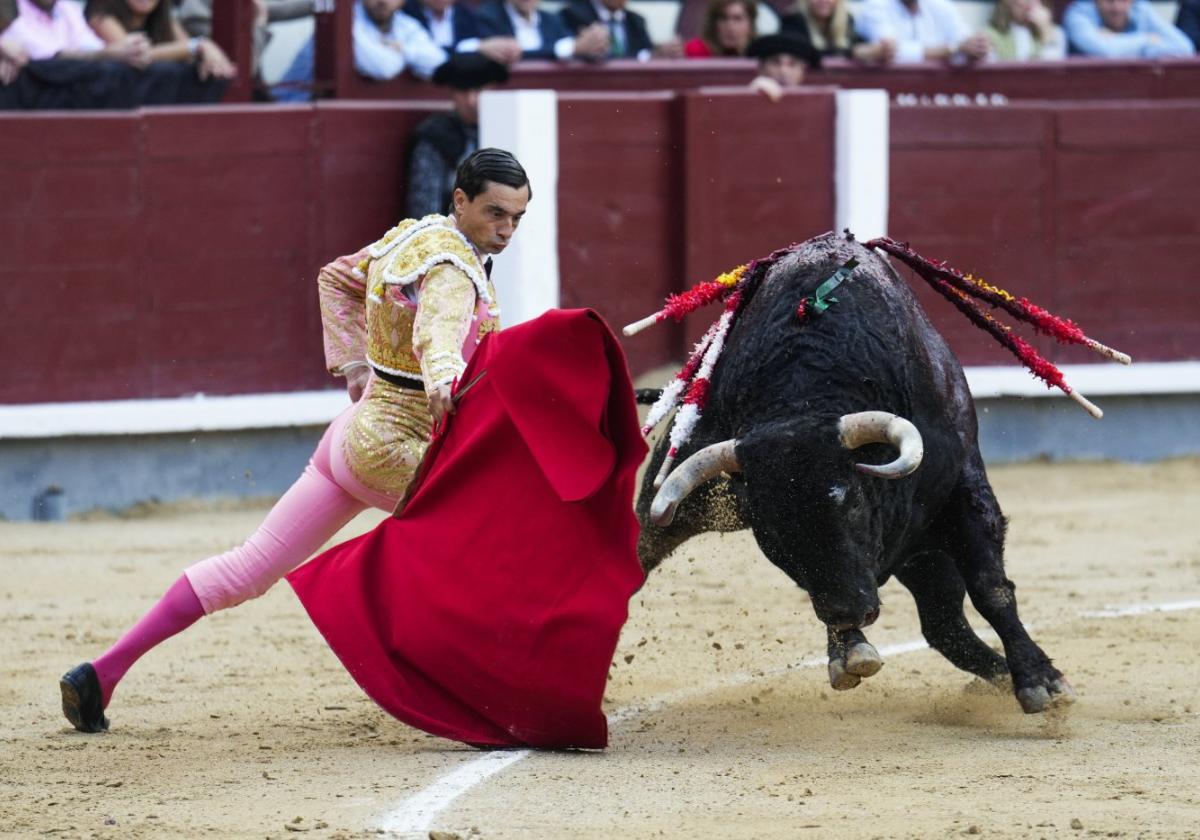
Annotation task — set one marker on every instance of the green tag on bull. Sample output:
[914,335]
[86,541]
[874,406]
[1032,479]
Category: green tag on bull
[820,299]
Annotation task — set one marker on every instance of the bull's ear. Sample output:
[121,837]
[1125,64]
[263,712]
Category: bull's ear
[554,381]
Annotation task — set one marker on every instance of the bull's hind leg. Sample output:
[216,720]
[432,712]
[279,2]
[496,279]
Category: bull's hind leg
[938,589]
[975,539]
[851,658]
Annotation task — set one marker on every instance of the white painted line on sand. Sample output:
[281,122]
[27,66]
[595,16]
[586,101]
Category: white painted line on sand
[415,815]
[1143,609]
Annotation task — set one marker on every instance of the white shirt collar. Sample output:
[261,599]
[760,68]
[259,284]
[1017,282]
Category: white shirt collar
[446,17]
[604,13]
[517,18]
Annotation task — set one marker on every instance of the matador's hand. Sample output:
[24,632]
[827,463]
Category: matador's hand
[440,403]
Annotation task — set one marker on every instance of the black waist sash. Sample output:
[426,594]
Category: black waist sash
[399,381]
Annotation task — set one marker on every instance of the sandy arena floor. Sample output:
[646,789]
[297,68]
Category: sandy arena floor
[246,726]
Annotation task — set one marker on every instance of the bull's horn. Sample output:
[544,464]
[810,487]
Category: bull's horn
[881,427]
[708,463]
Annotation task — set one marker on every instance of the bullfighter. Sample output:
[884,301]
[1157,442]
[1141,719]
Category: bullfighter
[402,318]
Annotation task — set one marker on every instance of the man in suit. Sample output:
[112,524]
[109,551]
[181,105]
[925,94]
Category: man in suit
[1188,20]
[386,43]
[627,33]
[541,35]
[455,28]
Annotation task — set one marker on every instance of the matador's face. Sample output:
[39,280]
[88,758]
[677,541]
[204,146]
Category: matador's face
[491,218]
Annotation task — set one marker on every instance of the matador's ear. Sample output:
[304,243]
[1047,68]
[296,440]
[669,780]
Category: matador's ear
[555,386]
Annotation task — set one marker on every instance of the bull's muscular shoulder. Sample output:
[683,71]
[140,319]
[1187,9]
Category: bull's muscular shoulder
[415,246]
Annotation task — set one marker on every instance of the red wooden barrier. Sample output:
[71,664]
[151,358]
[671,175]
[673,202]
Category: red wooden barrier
[758,177]
[163,252]
[168,251]
[1086,209]
[970,186]
[232,30]
[620,218]
[1127,232]
[1075,78]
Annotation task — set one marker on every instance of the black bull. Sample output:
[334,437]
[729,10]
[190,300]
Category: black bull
[785,448]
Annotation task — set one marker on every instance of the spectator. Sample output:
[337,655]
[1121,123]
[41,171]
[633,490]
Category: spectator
[12,55]
[386,43]
[57,29]
[782,59]
[455,28]
[115,20]
[729,27]
[828,26]
[1188,20]
[50,59]
[628,36]
[920,30]
[1024,30]
[441,142]
[1122,29]
[541,35]
[195,16]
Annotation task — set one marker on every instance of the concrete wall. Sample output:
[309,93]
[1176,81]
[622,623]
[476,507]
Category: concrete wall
[1134,428]
[113,473]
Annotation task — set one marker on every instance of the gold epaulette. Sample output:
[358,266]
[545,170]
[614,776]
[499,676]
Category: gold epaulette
[409,250]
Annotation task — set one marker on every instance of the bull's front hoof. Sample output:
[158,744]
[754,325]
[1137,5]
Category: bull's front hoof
[840,678]
[1034,700]
[863,660]
[1039,698]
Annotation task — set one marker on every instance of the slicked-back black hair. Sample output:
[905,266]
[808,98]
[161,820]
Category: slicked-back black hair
[490,166]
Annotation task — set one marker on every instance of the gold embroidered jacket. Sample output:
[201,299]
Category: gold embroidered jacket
[414,305]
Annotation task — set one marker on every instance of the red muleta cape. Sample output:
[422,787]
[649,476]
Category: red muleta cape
[489,611]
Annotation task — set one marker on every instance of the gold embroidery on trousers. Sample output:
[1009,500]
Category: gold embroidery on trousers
[387,436]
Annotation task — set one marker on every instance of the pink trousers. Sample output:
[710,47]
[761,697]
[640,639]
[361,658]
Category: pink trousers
[317,506]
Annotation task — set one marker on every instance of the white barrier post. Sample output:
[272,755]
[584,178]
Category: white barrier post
[525,122]
[861,163]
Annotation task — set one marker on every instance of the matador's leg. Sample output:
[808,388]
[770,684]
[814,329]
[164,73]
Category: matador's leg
[308,515]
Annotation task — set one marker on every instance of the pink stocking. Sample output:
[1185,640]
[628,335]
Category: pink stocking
[176,611]
[309,513]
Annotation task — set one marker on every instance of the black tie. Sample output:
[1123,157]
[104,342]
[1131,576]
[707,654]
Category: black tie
[487,267]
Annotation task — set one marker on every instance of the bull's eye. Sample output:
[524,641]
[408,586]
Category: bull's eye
[838,493]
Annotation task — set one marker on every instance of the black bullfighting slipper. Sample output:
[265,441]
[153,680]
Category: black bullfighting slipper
[81,699]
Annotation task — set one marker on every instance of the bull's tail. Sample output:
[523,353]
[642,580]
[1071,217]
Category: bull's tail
[647,396]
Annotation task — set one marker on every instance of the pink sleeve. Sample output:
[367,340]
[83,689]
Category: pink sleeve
[83,38]
[342,290]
